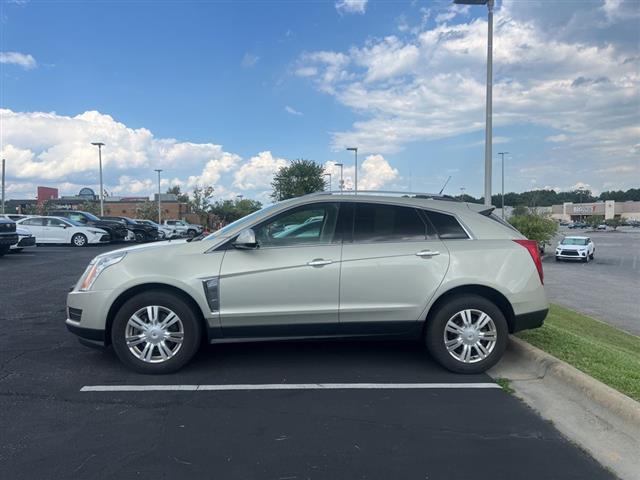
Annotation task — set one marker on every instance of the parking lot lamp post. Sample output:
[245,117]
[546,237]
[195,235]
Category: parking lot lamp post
[3,162]
[329,180]
[355,150]
[100,145]
[502,154]
[488,111]
[341,178]
[159,202]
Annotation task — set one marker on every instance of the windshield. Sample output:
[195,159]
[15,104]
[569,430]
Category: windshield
[75,222]
[91,217]
[240,222]
[574,241]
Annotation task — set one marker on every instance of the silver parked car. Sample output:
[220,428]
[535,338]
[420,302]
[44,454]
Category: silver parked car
[320,266]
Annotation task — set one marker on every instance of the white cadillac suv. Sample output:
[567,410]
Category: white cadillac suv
[320,266]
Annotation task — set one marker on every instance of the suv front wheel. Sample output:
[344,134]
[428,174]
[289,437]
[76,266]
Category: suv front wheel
[155,332]
[467,334]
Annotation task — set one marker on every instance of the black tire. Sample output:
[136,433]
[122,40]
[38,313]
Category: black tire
[140,236]
[4,249]
[557,259]
[79,240]
[192,233]
[16,250]
[593,255]
[190,323]
[435,331]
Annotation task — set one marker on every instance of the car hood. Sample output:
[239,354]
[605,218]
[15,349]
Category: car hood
[150,246]
[572,247]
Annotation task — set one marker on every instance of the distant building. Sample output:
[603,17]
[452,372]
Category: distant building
[608,209]
[46,193]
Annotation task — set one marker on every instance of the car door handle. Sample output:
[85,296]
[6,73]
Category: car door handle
[318,262]
[427,253]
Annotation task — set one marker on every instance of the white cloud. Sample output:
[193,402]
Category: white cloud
[351,6]
[292,110]
[23,60]
[373,173]
[249,60]
[557,138]
[258,172]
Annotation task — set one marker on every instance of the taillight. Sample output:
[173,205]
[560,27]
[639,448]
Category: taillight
[532,247]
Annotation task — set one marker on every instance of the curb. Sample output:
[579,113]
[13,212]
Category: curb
[548,366]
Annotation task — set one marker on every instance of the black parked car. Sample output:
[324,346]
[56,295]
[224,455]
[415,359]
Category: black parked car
[8,235]
[142,231]
[117,230]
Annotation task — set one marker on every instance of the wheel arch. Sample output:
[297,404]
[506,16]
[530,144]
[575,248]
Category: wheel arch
[144,287]
[489,293]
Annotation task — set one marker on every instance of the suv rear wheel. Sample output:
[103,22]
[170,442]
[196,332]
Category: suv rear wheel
[467,334]
[155,332]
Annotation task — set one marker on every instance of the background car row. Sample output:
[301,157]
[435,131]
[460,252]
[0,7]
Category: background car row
[78,228]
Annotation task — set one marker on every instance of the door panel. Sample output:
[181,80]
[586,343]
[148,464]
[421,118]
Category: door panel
[274,292]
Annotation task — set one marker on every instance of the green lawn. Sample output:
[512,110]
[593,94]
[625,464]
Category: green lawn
[604,352]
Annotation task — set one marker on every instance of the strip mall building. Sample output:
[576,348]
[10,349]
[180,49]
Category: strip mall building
[608,209]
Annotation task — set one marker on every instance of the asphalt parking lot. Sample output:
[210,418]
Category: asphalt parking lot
[50,429]
[606,288]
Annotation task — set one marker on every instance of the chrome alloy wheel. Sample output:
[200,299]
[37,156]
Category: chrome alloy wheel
[470,336]
[154,334]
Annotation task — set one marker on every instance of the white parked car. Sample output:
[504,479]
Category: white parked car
[448,273]
[165,232]
[184,228]
[575,248]
[62,230]
[25,239]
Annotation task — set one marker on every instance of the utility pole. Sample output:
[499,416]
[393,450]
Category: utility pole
[329,174]
[502,154]
[100,145]
[3,163]
[355,150]
[159,201]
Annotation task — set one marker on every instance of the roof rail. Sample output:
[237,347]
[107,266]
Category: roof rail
[434,196]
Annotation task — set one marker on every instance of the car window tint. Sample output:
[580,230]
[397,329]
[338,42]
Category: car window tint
[387,223]
[35,222]
[54,222]
[446,225]
[308,224]
[77,217]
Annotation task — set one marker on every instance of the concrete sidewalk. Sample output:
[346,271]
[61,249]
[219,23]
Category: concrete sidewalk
[601,420]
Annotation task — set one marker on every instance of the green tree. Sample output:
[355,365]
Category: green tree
[298,178]
[147,210]
[200,201]
[175,190]
[231,210]
[613,223]
[594,220]
[535,226]
[91,207]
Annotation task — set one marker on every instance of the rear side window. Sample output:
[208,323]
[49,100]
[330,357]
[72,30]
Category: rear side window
[387,223]
[446,225]
[34,222]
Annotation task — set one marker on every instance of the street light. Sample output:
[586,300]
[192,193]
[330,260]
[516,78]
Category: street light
[159,205]
[100,145]
[329,180]
[488,111]
[502,154]
[341,179]
[355,150]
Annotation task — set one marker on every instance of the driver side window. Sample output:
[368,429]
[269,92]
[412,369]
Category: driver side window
[303,225]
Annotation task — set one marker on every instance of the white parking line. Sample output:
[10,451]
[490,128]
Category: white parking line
[285,386]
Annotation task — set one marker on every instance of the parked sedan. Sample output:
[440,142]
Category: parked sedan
[141,231]
[575,248]
[25,239]
[63,231]
[164,232]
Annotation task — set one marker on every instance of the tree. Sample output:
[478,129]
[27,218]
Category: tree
[298,178]
[147,210]
[91,207]
[613,223]
[535,226]
[231,210]
[594,220]
[175,190]
[201,201]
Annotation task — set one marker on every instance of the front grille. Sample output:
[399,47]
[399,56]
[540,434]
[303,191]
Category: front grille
[75,314]
[7,227]
[573,253]
[106,237]
[8,239]
[27,242]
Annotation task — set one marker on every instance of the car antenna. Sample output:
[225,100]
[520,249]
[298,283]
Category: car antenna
[443,186]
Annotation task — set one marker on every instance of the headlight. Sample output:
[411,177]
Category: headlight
[96,267]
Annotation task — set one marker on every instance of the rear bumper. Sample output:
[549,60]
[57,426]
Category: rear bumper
[526,321]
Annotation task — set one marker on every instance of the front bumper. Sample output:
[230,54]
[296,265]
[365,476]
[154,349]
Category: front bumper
[87,336]
[87,316]
[572,256]
[9,239]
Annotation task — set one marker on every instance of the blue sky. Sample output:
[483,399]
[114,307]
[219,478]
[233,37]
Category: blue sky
[226,92]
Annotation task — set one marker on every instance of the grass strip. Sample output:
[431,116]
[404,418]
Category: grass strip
[599,350]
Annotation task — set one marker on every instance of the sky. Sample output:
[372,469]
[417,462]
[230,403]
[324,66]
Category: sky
[224,93]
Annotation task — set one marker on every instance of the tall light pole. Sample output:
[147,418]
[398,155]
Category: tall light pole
[488,111]
[3,162]
[341,178]
[502,154]
[159,202]
[100,145]
[355,150]
[329,180]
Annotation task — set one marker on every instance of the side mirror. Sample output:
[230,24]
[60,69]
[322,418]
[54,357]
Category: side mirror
[246,240]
